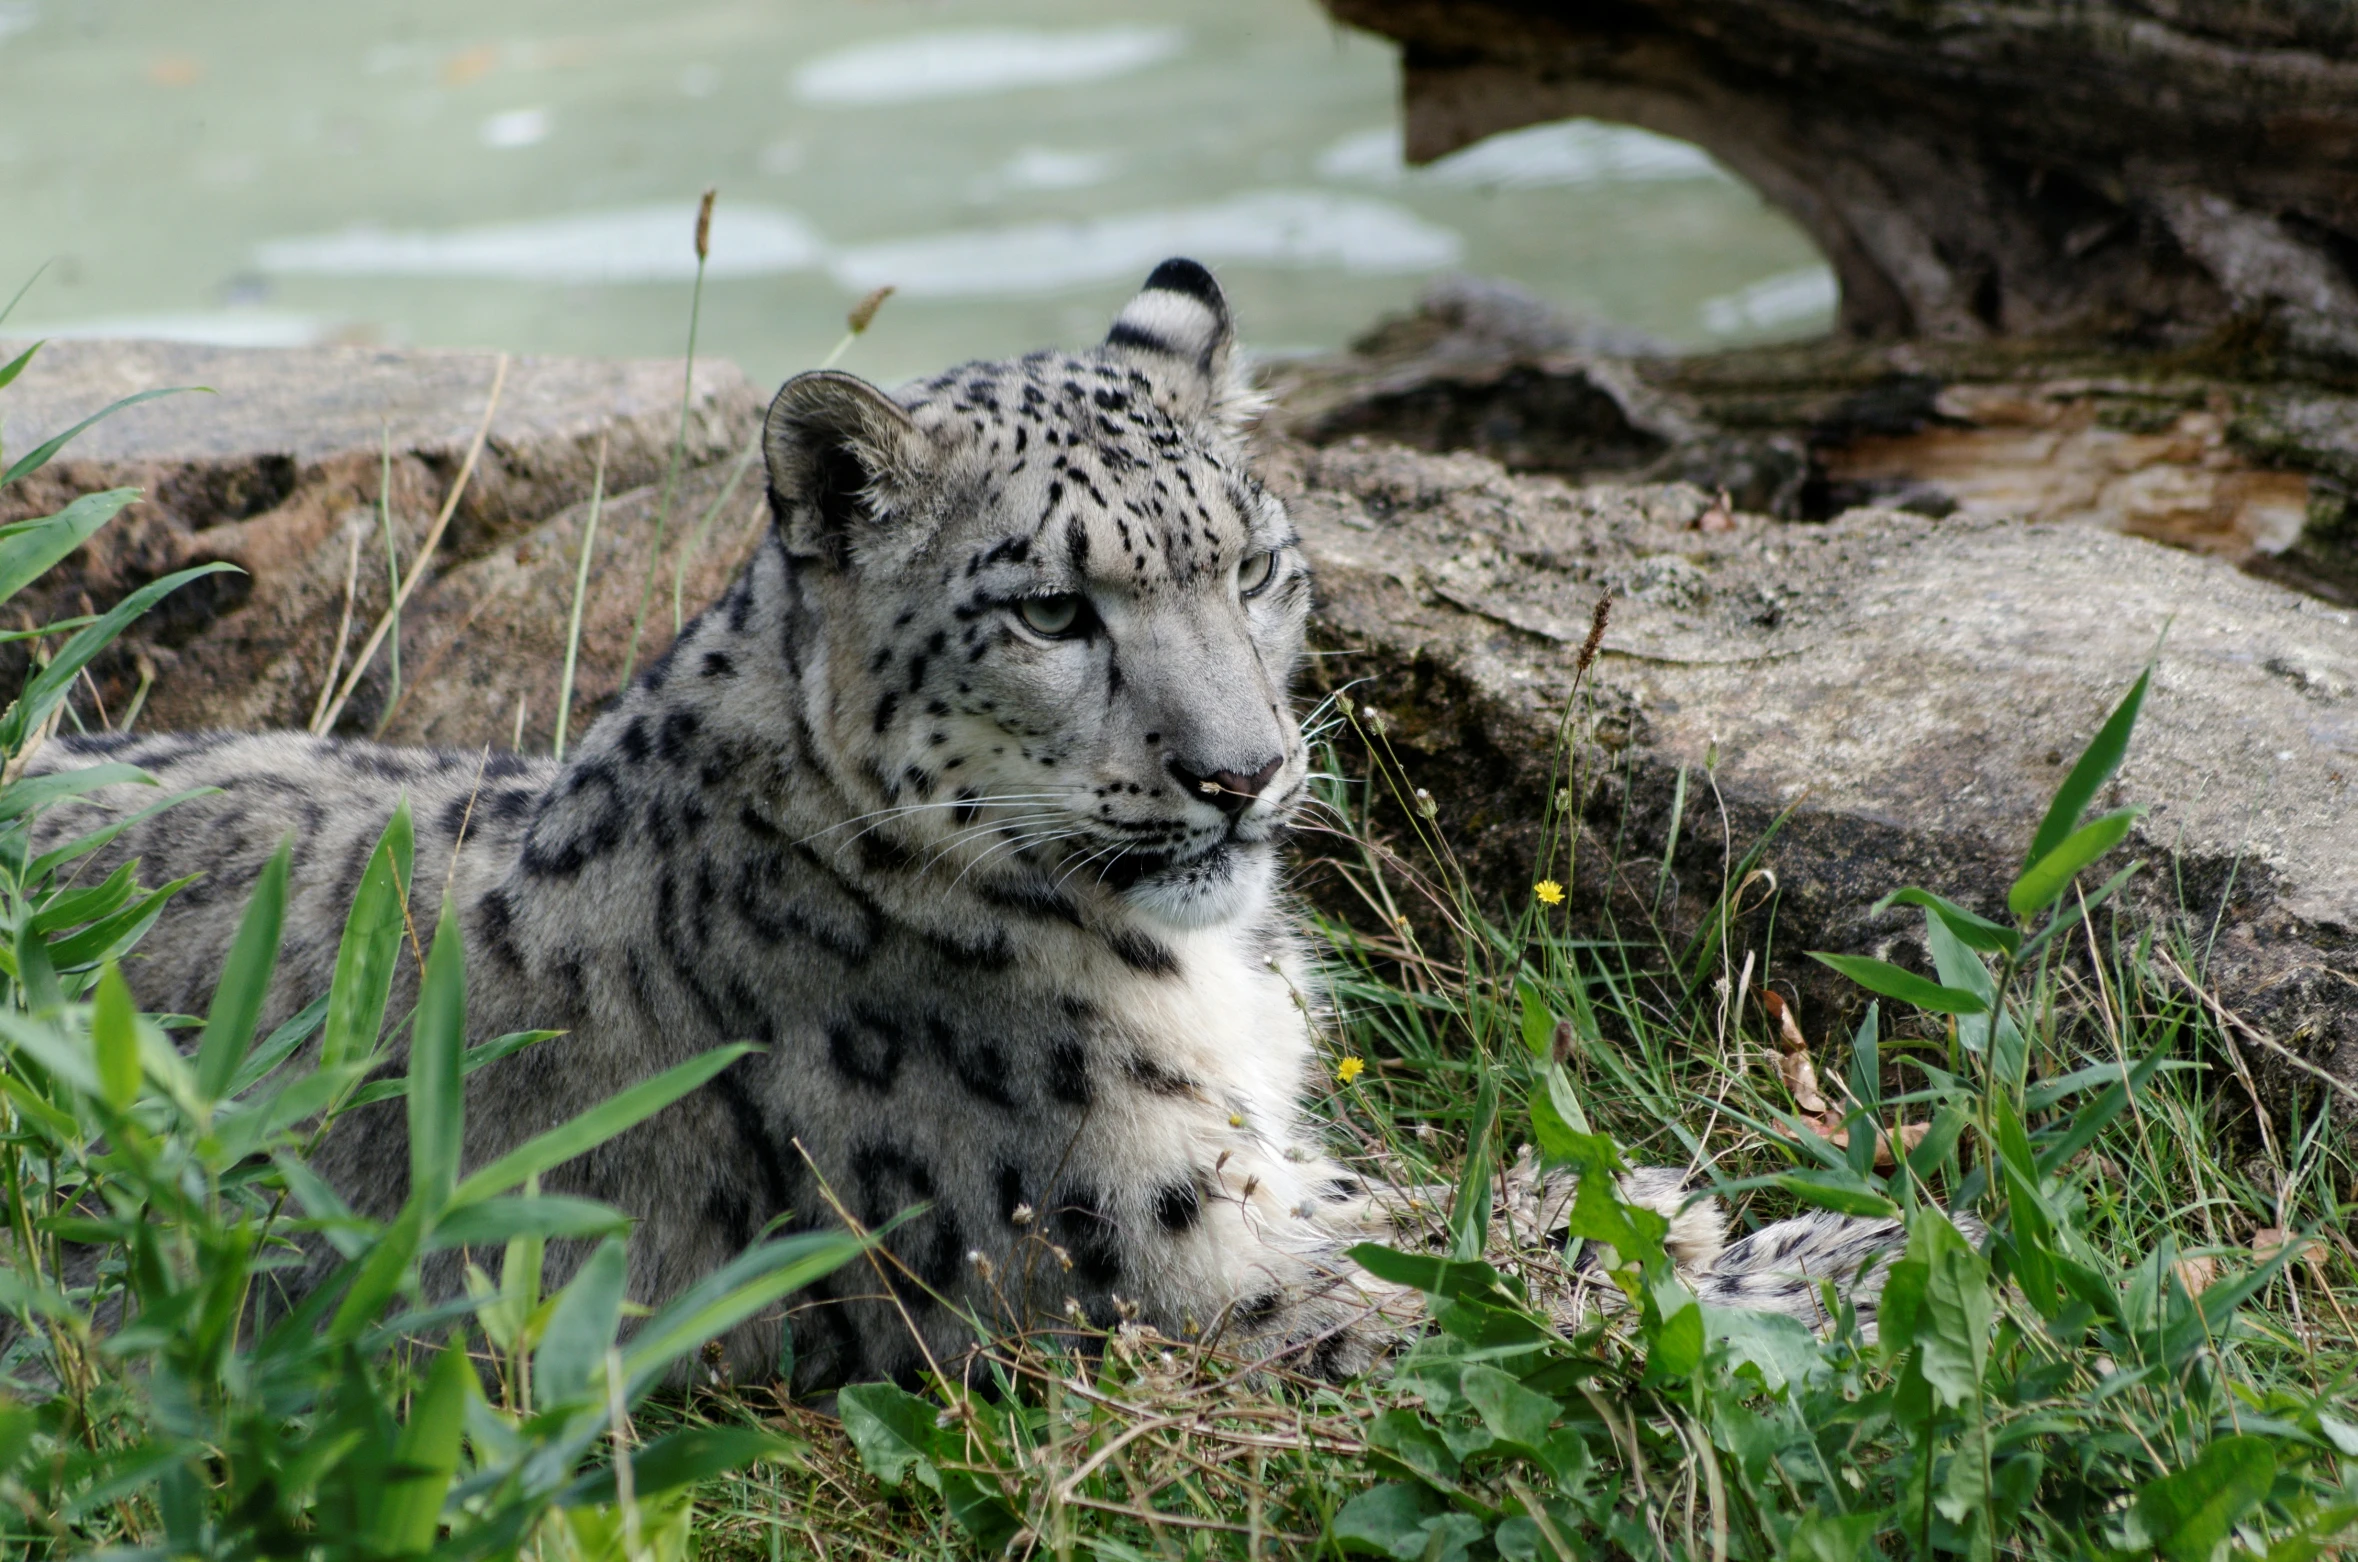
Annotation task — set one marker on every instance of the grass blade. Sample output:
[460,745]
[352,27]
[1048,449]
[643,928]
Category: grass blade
[28,554]
[589,540]
[2047,878]
[114,1036]
[371,946]
[38,457]
[1891,981]
[425,1459]
[437,1108]
[48,687]
[245,980]
[546,1152]
[2095,767]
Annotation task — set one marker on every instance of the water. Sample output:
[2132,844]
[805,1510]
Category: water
[523,174]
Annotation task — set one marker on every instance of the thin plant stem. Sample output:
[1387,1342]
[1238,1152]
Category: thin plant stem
[327,686]
[392,556]
[679,449]
[589,539]
[695,543]
[417,566]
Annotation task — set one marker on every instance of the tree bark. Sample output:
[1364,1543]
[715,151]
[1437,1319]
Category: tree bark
[2141,170]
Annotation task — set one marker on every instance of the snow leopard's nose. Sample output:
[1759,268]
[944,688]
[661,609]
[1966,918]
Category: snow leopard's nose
[1230,791]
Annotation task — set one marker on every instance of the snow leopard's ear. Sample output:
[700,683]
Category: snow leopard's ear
[843,457]
[1178,333]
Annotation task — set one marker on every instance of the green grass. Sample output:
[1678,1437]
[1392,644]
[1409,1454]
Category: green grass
[2080,1388]
[2118,1371]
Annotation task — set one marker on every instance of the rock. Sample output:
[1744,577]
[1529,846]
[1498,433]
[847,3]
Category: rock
[2223,452]
[1900,691]
[278,471]
[1903,692]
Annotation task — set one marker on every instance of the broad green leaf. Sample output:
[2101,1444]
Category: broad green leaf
[114,1037]
[2046,879]
[1420,1450]
[371,947]
[1959,967]
[1557,1114]
[1971,929]
[438,1034]
[50,861]
[26,555]
[410,1508]
[110,938]
[292,1032]
[2096,765]
[1673,1327]
[1598,1213]
[581,1327]
[1891,981]
[16,365]
[36,973]
[50,684]
[469,1061]
[77,906]
[22,797]
[2190,1514]
[1829,1537]
[892,1428]
[491,1222]
[1469,1210]
[1455,1278]
[38,457]
[379,1274]
[1391,1520]
[1781,1349]
[1843,1192]
[245,979]
[2076,910]
[41,1040]
[1953,1319]
[686,1458]
[546,1152]
[1513,1413]
[722,1300]
[1539,1025]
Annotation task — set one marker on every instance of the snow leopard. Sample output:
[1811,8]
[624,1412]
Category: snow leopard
[964,803]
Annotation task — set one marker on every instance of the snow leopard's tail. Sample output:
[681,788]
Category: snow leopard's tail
[1781,1268]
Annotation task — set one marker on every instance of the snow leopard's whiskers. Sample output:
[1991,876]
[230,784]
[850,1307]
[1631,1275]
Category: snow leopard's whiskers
[877,818]
[1028,827]
[1015,847]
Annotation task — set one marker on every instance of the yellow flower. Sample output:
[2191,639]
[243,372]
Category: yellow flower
[1349,1069]
[1550,893]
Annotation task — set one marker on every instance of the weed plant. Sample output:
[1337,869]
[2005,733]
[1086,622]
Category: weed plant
[2150,1352]
[163,1390]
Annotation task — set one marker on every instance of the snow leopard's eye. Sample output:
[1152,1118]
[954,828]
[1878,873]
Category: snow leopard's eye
[1255,572]
[1056,617]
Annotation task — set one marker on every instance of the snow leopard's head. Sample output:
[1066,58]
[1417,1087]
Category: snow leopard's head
[1060,617]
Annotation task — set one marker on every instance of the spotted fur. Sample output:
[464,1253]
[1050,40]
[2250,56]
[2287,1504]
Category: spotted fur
[962,802]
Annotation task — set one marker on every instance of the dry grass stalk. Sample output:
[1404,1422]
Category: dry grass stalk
[327,685]
[589,540]
[417,568]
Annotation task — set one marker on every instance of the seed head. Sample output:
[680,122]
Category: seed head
[1596,635]
[704,226]
[865,310]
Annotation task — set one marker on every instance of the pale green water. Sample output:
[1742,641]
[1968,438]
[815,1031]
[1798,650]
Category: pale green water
[522,174]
